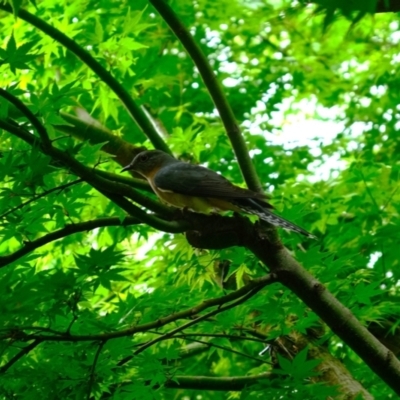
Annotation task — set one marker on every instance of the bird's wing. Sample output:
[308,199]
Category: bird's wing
[195,180]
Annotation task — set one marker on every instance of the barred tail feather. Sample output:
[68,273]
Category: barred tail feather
[273,219]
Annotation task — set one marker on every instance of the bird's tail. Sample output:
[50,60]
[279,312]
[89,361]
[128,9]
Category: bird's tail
[266,215]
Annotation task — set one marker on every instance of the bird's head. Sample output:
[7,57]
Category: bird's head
[148,162]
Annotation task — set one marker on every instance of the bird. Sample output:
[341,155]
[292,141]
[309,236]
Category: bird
[200,189]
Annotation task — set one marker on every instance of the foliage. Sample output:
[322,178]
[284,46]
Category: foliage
[98,304]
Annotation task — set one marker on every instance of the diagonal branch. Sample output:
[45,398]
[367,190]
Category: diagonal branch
[112,190]
[214,87]
[45,193]
[199,319]
[19,355]
[41,130]
[127,180]
[93,369]
[134,110]
[66,231]
[338,317]
[87,129]
[144,217]
[211,344]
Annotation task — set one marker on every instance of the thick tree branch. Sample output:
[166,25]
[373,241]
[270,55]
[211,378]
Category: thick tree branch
[127,180]
[212,383]
[113,190]
[87,129]
[134,110]
[188,335]
[339,318]
[232,383]
[272,253]
[214,87]
[21,133]
[149,219]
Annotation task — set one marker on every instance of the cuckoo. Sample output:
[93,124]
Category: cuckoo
[202,190]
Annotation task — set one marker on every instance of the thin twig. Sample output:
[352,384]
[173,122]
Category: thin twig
[210,344]
[112,190]
[19,355]
[93,369]
[199,319]
[66,231]
[41,130]
[215,335]
[369,192]
[256,284]
[22,205]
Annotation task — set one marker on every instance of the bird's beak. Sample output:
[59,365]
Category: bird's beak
[126,168]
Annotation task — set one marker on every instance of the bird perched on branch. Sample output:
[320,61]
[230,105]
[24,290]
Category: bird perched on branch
[202,190]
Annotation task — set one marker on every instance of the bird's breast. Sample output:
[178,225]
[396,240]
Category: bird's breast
[198,204]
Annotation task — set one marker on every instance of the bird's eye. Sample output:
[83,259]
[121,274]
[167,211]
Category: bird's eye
[144,157]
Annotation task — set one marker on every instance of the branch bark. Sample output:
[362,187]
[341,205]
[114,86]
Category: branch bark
[315,295]
[232,383]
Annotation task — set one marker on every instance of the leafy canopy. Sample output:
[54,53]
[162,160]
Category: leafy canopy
[91,296]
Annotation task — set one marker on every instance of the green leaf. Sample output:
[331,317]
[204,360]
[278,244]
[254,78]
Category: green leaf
[300,368]
[17,57]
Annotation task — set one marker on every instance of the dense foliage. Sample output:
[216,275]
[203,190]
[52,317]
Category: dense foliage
[101,299]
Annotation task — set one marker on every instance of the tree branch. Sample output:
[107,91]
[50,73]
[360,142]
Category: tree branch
[232,383]
[219,335]
[217,94]
[339,318]
[66,231]
[19,355]
[112,190]
[134,110]
[212,383]
[21,133]
[202,318]
[85,128]
[387,6]
[242,294]
[40,129]
[127,180]
[217,346]
[45,193]
[93,369]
